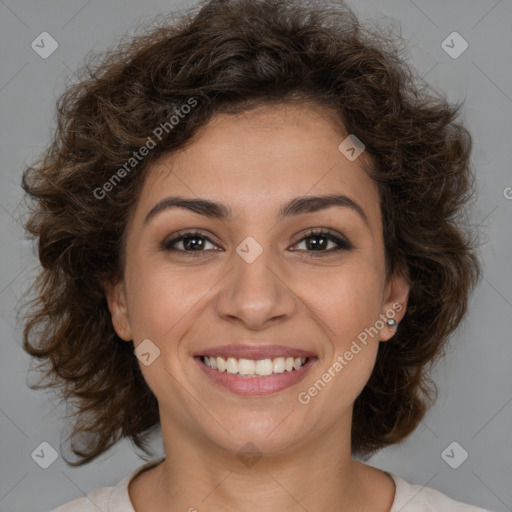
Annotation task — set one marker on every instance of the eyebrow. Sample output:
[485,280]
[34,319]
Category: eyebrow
[297,206]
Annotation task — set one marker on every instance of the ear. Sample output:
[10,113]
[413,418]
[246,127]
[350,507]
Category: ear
[116,299]
[396,295]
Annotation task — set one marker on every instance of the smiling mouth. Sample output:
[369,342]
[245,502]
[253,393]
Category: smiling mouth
[254,367]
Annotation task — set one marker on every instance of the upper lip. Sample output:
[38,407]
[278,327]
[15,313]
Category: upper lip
[254,351]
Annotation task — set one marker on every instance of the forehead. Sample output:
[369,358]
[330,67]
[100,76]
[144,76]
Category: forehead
[258,160]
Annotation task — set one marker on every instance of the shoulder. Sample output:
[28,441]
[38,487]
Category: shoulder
[108,499]
[97,500]
[417,498]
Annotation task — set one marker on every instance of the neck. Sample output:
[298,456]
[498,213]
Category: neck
[198,475]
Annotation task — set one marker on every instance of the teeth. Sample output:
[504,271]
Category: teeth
[279,365]
[251,367]
[232,365]
[221,363]
[246,366]
[263,367]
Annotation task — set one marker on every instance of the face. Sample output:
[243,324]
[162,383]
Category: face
[277,276]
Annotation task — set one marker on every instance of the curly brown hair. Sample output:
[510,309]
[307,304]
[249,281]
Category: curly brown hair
[231,56]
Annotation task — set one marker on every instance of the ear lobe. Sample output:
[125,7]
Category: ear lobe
[395,305]
[116,299]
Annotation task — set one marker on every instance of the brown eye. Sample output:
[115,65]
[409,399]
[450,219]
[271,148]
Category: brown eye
[318,241]
[191,242]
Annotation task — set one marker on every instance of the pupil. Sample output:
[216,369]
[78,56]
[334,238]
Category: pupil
[195,242]
[315,245]
[192,245]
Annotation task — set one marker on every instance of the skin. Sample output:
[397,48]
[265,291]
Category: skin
[254,163]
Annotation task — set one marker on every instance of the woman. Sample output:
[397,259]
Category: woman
[250,232]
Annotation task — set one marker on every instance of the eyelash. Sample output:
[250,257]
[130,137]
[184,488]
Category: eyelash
[343,244]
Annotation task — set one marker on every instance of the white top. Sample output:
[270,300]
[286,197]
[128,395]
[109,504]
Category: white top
[408,497]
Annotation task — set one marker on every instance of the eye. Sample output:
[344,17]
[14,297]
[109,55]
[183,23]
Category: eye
[196,242]
[191,241]
[321,239]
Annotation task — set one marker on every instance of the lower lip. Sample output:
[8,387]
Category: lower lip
[257,385]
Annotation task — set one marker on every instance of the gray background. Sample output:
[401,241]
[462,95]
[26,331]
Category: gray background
[475,385]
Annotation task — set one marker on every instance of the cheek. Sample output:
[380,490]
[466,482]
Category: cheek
[162,301]
[347,300]
[349,311]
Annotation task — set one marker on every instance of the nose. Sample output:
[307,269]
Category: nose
[255,294]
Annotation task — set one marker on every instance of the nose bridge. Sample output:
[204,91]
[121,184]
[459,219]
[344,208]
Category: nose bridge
[254,291]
